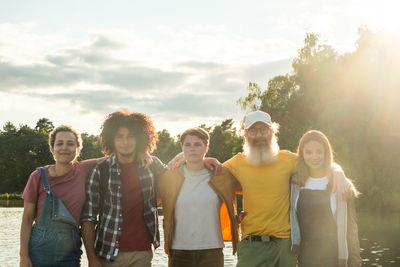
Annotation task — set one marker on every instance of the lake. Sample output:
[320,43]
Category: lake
[10,221]
[379,239]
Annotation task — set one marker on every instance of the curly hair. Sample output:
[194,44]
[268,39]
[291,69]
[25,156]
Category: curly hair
[140,125]
[65,128]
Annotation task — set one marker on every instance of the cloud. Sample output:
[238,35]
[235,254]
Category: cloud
[39,75]
[199,72]
[105,42]
[206,93]
[140,78]
[261,73]
[203,65]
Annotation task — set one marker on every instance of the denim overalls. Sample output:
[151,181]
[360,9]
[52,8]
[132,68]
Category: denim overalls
[55,240]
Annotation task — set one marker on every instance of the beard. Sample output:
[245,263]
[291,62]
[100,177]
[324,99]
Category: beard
[259,152]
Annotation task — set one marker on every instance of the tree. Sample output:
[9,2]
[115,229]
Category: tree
[91,147]
[353,98]
[167,147]
[44,125]
[224,142]
[23,150]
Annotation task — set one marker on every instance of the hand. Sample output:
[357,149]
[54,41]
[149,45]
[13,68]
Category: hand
[213,164]
[145,160]
[342,263]
[241,216]
[176,161]
[94,262]
[25,261]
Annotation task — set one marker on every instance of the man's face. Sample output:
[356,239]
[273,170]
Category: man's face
[194,149]
[259,135]
[124,143]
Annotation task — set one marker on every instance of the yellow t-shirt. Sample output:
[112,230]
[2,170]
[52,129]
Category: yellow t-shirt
[266,193]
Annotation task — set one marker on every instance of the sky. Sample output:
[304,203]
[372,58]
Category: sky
[183,63]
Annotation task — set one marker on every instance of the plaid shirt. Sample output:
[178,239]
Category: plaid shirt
[108,226]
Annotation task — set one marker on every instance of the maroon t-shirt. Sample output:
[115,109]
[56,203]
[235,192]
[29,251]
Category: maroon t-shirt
[135,234]
[69,188]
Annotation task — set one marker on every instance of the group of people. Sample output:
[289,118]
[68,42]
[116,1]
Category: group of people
[297,208]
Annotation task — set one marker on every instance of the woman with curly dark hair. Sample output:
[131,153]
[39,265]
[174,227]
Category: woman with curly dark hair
[119,221]
[53,200]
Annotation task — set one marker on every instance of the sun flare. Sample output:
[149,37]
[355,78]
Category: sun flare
[384,15]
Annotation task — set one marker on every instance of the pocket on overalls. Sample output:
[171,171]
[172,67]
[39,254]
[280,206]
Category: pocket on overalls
[41,245]
[36,238]
[68,246]
[65,240]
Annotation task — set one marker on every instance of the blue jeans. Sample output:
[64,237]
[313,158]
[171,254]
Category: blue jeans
[55,240]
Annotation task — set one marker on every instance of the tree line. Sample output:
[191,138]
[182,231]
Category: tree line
[24,148]
[352,97]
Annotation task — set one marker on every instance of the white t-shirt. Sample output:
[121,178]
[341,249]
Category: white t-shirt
[197,222]
[319,184]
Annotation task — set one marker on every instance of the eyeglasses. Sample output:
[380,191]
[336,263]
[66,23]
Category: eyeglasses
[253,131]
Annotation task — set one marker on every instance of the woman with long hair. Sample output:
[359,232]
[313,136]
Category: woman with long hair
[323,223]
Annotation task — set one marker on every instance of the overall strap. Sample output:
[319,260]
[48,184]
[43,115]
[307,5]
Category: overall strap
[44,179]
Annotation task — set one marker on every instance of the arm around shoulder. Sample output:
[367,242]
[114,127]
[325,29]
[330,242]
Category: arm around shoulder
[228,179]
[157,166]
[91,208]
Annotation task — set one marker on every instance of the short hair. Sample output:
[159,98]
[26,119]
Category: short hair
[139,124]
[65,128]
[199,132]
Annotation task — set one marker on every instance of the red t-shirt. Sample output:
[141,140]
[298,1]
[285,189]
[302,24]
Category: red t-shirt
[135,234]
[69,188]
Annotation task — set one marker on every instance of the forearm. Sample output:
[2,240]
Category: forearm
[26,228]
[25,233]
[352,235]
[88,236]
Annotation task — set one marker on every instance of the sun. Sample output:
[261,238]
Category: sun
[384,15]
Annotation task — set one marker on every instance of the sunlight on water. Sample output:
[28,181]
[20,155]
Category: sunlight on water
[10,221]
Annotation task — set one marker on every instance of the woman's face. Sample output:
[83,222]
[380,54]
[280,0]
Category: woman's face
[65,147]
[194,148]
[314,155]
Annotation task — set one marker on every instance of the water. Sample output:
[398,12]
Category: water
[379,239]
[10,221]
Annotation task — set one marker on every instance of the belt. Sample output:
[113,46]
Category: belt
[262,238]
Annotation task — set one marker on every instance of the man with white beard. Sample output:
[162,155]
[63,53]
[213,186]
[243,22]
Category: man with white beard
[264,172]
